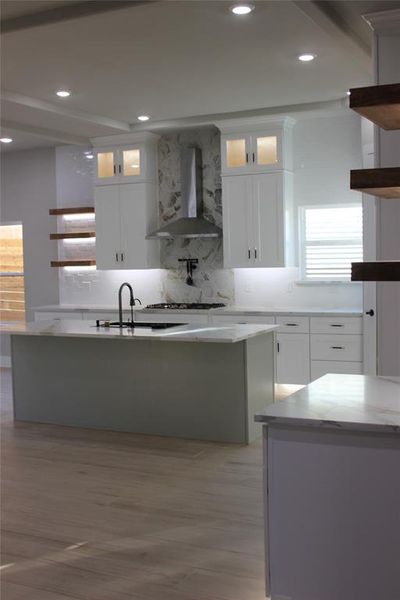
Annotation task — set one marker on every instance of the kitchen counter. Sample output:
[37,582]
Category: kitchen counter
[227,310]
[348,402]
[229,334]
[332,490]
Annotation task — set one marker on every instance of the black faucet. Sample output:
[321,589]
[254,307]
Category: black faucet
[191,265]
[132,302]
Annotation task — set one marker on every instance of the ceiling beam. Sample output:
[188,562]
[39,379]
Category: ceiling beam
[79,115]
[74,10]
[320,14]
[47,134]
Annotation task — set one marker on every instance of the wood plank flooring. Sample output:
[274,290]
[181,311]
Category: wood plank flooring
[94,515]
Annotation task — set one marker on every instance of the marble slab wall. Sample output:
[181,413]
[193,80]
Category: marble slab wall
[211,281]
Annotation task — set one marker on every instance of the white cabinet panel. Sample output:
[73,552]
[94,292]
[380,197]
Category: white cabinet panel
[108,227]
[293,358]
[226,319]
[293,324]
[336,325]
[322,367]
[336,347]
[237,221]
[268,220]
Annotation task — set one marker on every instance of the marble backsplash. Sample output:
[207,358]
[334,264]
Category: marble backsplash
[211,281]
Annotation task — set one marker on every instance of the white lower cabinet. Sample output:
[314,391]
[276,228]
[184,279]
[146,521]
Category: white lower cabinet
[293,358]
[57,316]
[322,367]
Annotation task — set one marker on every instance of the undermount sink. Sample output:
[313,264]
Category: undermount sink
[136,324]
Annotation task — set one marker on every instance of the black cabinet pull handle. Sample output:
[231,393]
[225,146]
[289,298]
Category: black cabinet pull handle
[115,169]
[254,157]
[337,347]
[336,325]
[277,346]
[120,168]
[249,253]
[122,257]
[116,256]
[247,157]
[255,252]
[291,324]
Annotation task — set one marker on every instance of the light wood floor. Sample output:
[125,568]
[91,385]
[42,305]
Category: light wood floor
[92,515]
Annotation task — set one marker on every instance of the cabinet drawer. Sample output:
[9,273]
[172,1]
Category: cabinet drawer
[322,367]
[226,319]
[335,325]
[57,316]
[336,347]
[293,324]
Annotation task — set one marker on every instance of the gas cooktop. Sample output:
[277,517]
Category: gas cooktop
[186,305]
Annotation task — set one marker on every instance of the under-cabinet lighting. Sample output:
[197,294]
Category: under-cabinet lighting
[242,9]
[306,57]
[63,93]
[78,240]
[6,140]
[77,268]
[80,217]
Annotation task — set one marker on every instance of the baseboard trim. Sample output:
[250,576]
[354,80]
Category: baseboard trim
[5,362]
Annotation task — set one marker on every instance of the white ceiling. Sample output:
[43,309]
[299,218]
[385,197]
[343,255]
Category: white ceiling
[174,60]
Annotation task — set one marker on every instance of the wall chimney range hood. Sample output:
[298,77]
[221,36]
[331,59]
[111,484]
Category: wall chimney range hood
[192,224]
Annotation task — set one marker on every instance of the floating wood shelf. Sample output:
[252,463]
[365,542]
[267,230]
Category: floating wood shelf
[379,103]
[72,236]
[376,271]
[384,183]
[76,210]
[73,263]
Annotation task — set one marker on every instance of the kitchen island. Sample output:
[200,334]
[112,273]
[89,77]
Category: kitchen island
[332,490]
[201,382]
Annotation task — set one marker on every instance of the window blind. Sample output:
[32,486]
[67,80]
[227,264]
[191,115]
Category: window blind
[330,240]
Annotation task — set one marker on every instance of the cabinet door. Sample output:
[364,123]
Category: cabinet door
[268,220]
[235,154]
[266,151]
[108,227]
[293,358]
[106,166]
[237,221]
[133,207]
[131,164]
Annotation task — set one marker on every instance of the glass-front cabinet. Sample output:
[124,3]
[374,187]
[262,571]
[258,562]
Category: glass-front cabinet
[125,158]
[259,149]
[118,165]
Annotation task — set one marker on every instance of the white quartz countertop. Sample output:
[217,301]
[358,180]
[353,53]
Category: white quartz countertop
[180,333]
[355,402]
[228,310]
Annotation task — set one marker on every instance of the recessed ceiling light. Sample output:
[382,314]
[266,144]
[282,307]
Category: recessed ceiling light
[242,9]
[143,118]
[63,93]
[348,92]
[89,155]
[6,140]
[306,57]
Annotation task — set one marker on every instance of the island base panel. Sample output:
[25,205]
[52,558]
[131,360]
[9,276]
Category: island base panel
[192,390]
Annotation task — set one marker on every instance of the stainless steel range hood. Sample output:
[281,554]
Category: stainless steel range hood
[192,224]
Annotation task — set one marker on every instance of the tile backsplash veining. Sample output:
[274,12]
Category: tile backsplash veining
[211,281]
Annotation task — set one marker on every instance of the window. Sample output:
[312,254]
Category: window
[12,296]
[330,240]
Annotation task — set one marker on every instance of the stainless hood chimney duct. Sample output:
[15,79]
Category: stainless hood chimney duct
[192,224]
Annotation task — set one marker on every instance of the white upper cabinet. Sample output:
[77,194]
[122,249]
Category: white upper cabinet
[126,204]
[126,158]
[248,147]
[257,220]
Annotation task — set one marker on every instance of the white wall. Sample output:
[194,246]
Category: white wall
[28,190]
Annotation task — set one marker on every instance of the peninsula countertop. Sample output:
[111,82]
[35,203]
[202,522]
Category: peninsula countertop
[341,402]
[181,333]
